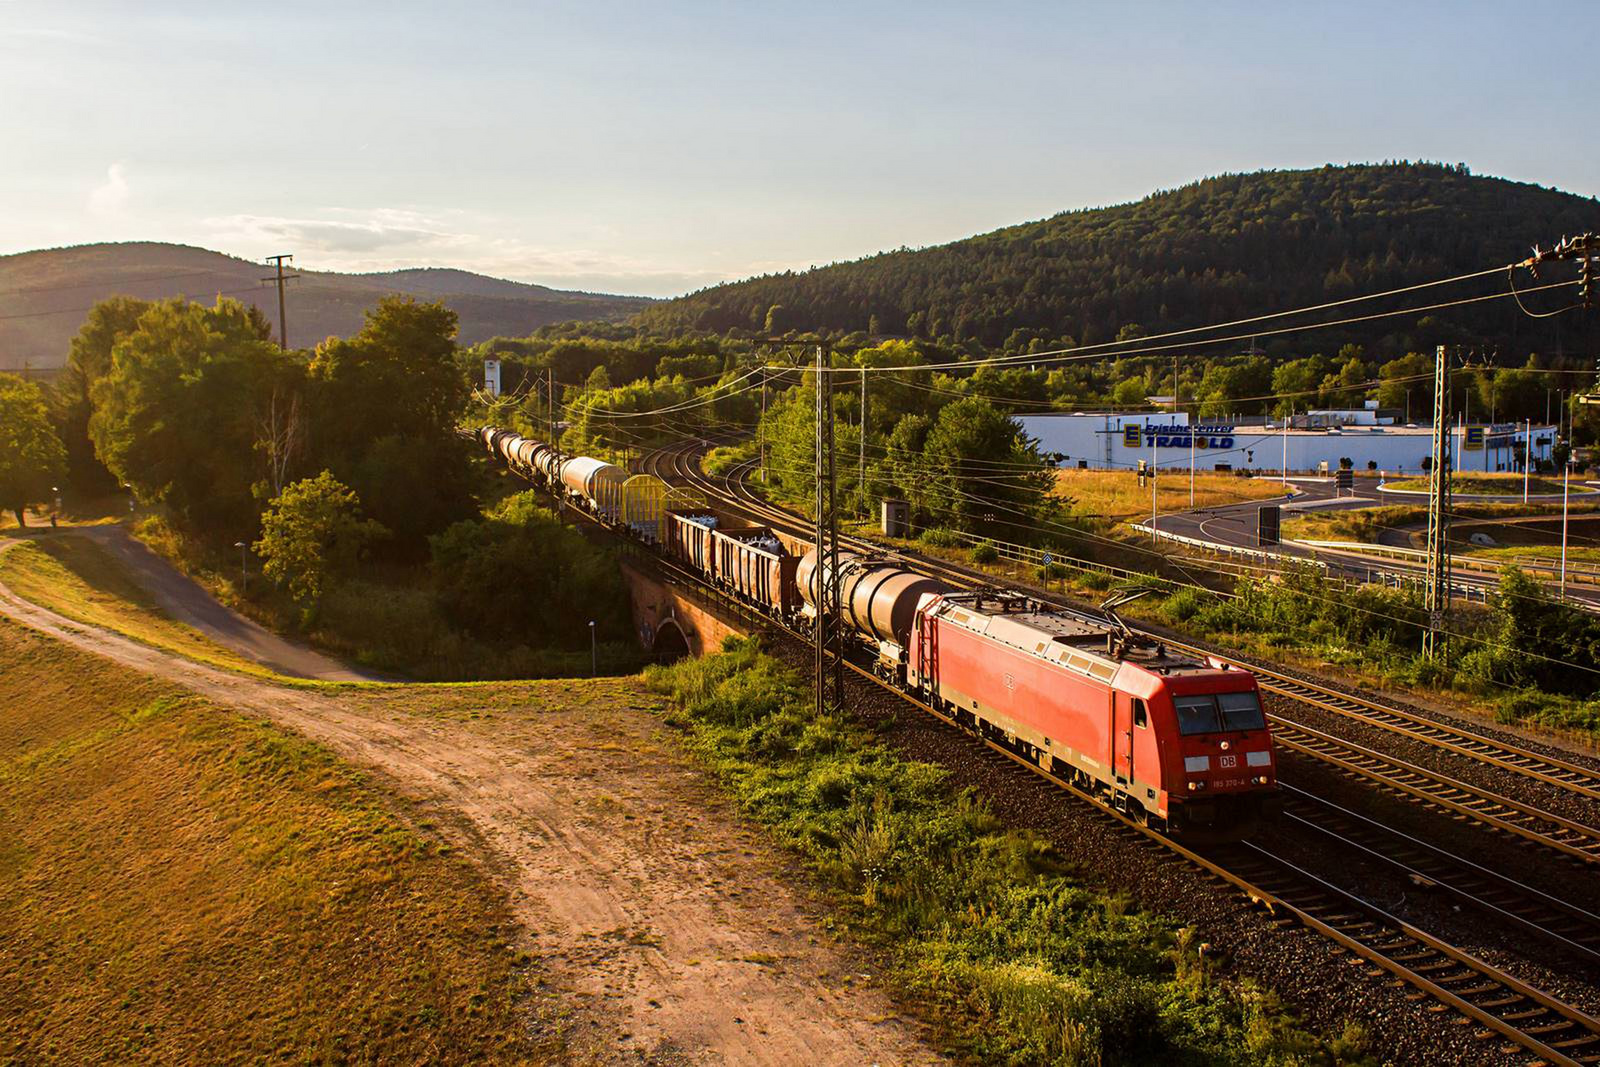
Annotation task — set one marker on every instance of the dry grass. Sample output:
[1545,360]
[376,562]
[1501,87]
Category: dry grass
[1117,495]
[180,883]
[79,579]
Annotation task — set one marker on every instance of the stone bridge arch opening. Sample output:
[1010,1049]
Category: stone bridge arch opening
[671,643]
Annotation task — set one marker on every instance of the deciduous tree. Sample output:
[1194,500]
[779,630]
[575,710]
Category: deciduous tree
[32,458]
[312,533]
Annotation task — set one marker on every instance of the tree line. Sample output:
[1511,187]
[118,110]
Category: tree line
[1221,249]
[325,460]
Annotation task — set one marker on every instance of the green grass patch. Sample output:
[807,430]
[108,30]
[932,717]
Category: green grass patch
[179,883]
[1021,960]
[1486,484]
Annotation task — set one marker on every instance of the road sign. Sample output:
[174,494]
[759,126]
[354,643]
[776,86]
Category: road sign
[1047,559]
[1345,478]
[1269,525]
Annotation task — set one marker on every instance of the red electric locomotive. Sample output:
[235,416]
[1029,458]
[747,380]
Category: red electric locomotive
[1179,742]
[1182,742]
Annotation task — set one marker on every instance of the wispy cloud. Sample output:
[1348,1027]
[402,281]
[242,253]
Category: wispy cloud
[111,196]
[392,238]
[380,229]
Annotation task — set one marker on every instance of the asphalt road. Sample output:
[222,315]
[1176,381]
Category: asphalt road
[190,603]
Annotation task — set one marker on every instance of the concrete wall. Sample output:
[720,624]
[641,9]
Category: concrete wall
[658,608]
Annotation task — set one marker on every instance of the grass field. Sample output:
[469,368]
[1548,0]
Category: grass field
[182,884]
[1117,495]
[1485,484]
[77,578]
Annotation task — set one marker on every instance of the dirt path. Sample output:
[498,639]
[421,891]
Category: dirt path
[188,602]
[668,922]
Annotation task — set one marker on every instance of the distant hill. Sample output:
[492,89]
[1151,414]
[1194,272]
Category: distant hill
[1220,249]
[44,295]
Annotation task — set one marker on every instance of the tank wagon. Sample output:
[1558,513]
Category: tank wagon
[1180,742]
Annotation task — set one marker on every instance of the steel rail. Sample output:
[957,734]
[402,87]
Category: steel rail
[1567,926]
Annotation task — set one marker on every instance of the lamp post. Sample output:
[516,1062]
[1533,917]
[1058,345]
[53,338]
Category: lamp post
[56,491]
[594,654]
[126,488]
[244,575]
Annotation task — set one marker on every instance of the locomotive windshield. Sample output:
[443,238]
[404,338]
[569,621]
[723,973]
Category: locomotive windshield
[1209,713]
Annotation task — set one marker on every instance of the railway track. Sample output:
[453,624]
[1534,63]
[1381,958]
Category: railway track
[1573,839]
[1573,930]
[1529,1018]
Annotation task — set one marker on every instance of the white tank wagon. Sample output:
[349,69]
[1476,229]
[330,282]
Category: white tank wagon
[597,482]
[878,599]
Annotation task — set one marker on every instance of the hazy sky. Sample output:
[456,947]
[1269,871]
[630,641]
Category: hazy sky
[658,147]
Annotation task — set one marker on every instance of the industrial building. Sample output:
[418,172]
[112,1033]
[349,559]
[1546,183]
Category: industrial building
[1309,443]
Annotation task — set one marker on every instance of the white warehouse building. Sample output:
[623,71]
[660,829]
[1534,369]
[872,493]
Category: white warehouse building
[1111,441]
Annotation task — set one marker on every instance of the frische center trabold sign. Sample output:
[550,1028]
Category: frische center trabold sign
[1201,435]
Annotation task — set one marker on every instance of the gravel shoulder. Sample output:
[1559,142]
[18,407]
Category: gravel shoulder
[672,929]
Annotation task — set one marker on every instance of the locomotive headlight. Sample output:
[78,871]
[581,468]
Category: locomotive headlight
[1225,746]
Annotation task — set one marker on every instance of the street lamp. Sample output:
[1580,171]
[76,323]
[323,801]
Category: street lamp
[126,488]
[244,575]
[56,490]
[594,654]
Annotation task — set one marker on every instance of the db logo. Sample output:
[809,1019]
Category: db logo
[1228,761]
[1011,683]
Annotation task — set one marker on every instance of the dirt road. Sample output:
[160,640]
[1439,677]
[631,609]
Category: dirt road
[669,925]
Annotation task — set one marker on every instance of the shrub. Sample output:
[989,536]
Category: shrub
[519,575]
[938,537]
[984,553]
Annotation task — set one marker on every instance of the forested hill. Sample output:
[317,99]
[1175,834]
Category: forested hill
[45,295]
[1220,249]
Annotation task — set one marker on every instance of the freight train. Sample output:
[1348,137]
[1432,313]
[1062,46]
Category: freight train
[1178,742]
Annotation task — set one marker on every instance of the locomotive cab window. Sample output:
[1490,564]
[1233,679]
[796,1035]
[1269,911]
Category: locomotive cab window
[1241,711]
[1205,714]
[1196,714]
[1139,716]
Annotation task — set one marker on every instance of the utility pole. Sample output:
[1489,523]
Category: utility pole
[761,428]
[1152,485]
[281,278]
[1527,457]
[862,475]
[1438,580]
[829,658]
